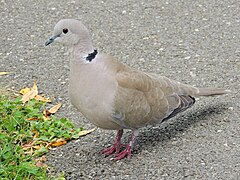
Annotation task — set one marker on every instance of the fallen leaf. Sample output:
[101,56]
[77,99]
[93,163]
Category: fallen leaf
[85,132]
[55,108]
[46,118]
[32,119]
[31,94]
[59,142]
[4,73]
[40,98]
[28,145]
[40,162]
[46,113]
[41,159]
[36,135]
[37,147]
[28,149]
[24,90]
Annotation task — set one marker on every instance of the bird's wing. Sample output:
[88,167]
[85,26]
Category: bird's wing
[144,99]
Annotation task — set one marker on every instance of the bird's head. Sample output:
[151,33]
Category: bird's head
[69,32]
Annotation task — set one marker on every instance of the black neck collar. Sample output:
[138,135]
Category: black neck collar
[92,55]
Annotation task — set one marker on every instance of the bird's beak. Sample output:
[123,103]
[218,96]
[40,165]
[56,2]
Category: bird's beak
[50,40]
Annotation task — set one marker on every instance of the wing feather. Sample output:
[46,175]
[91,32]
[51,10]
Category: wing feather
[147,99]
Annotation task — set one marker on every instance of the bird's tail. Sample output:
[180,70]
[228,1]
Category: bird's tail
[211,91]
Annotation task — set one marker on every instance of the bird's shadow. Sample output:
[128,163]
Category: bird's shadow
[164,132]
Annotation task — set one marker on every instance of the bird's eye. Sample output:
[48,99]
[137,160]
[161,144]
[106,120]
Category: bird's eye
[65,30]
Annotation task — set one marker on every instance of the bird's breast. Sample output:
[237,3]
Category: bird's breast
[91,91]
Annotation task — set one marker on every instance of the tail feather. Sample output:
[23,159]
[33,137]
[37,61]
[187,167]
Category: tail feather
[211,91]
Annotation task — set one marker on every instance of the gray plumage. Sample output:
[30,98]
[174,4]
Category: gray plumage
[115,96]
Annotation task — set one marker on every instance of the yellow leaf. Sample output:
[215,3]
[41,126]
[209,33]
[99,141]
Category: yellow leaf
[4,73]
[46,113]
[32,119]
[40,98]
[36,147]
[55,108]
[85,132]
[24,91]
[46,118]
[31,94]
[59,142]
[36,135]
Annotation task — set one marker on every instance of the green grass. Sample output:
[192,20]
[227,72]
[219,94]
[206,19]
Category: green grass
[16,131]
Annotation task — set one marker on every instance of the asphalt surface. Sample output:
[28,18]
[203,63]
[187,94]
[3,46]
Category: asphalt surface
[195,42]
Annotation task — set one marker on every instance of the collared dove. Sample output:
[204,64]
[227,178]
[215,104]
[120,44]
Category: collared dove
[115,96]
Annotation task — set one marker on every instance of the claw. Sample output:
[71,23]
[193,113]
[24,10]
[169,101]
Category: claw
[127,152]
[124,153]
[116,146]
[111,150]
[108,151]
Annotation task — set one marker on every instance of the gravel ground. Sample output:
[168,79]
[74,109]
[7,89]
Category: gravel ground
[196,42]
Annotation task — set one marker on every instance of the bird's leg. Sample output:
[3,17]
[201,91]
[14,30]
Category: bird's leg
[129,146]
[116,145]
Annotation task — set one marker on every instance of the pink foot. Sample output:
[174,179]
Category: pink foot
[111,150]
[127,152]
[124,153]
[116,146]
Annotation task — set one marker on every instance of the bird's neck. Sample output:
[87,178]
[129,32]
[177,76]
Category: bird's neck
[92,55]
[83,52]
